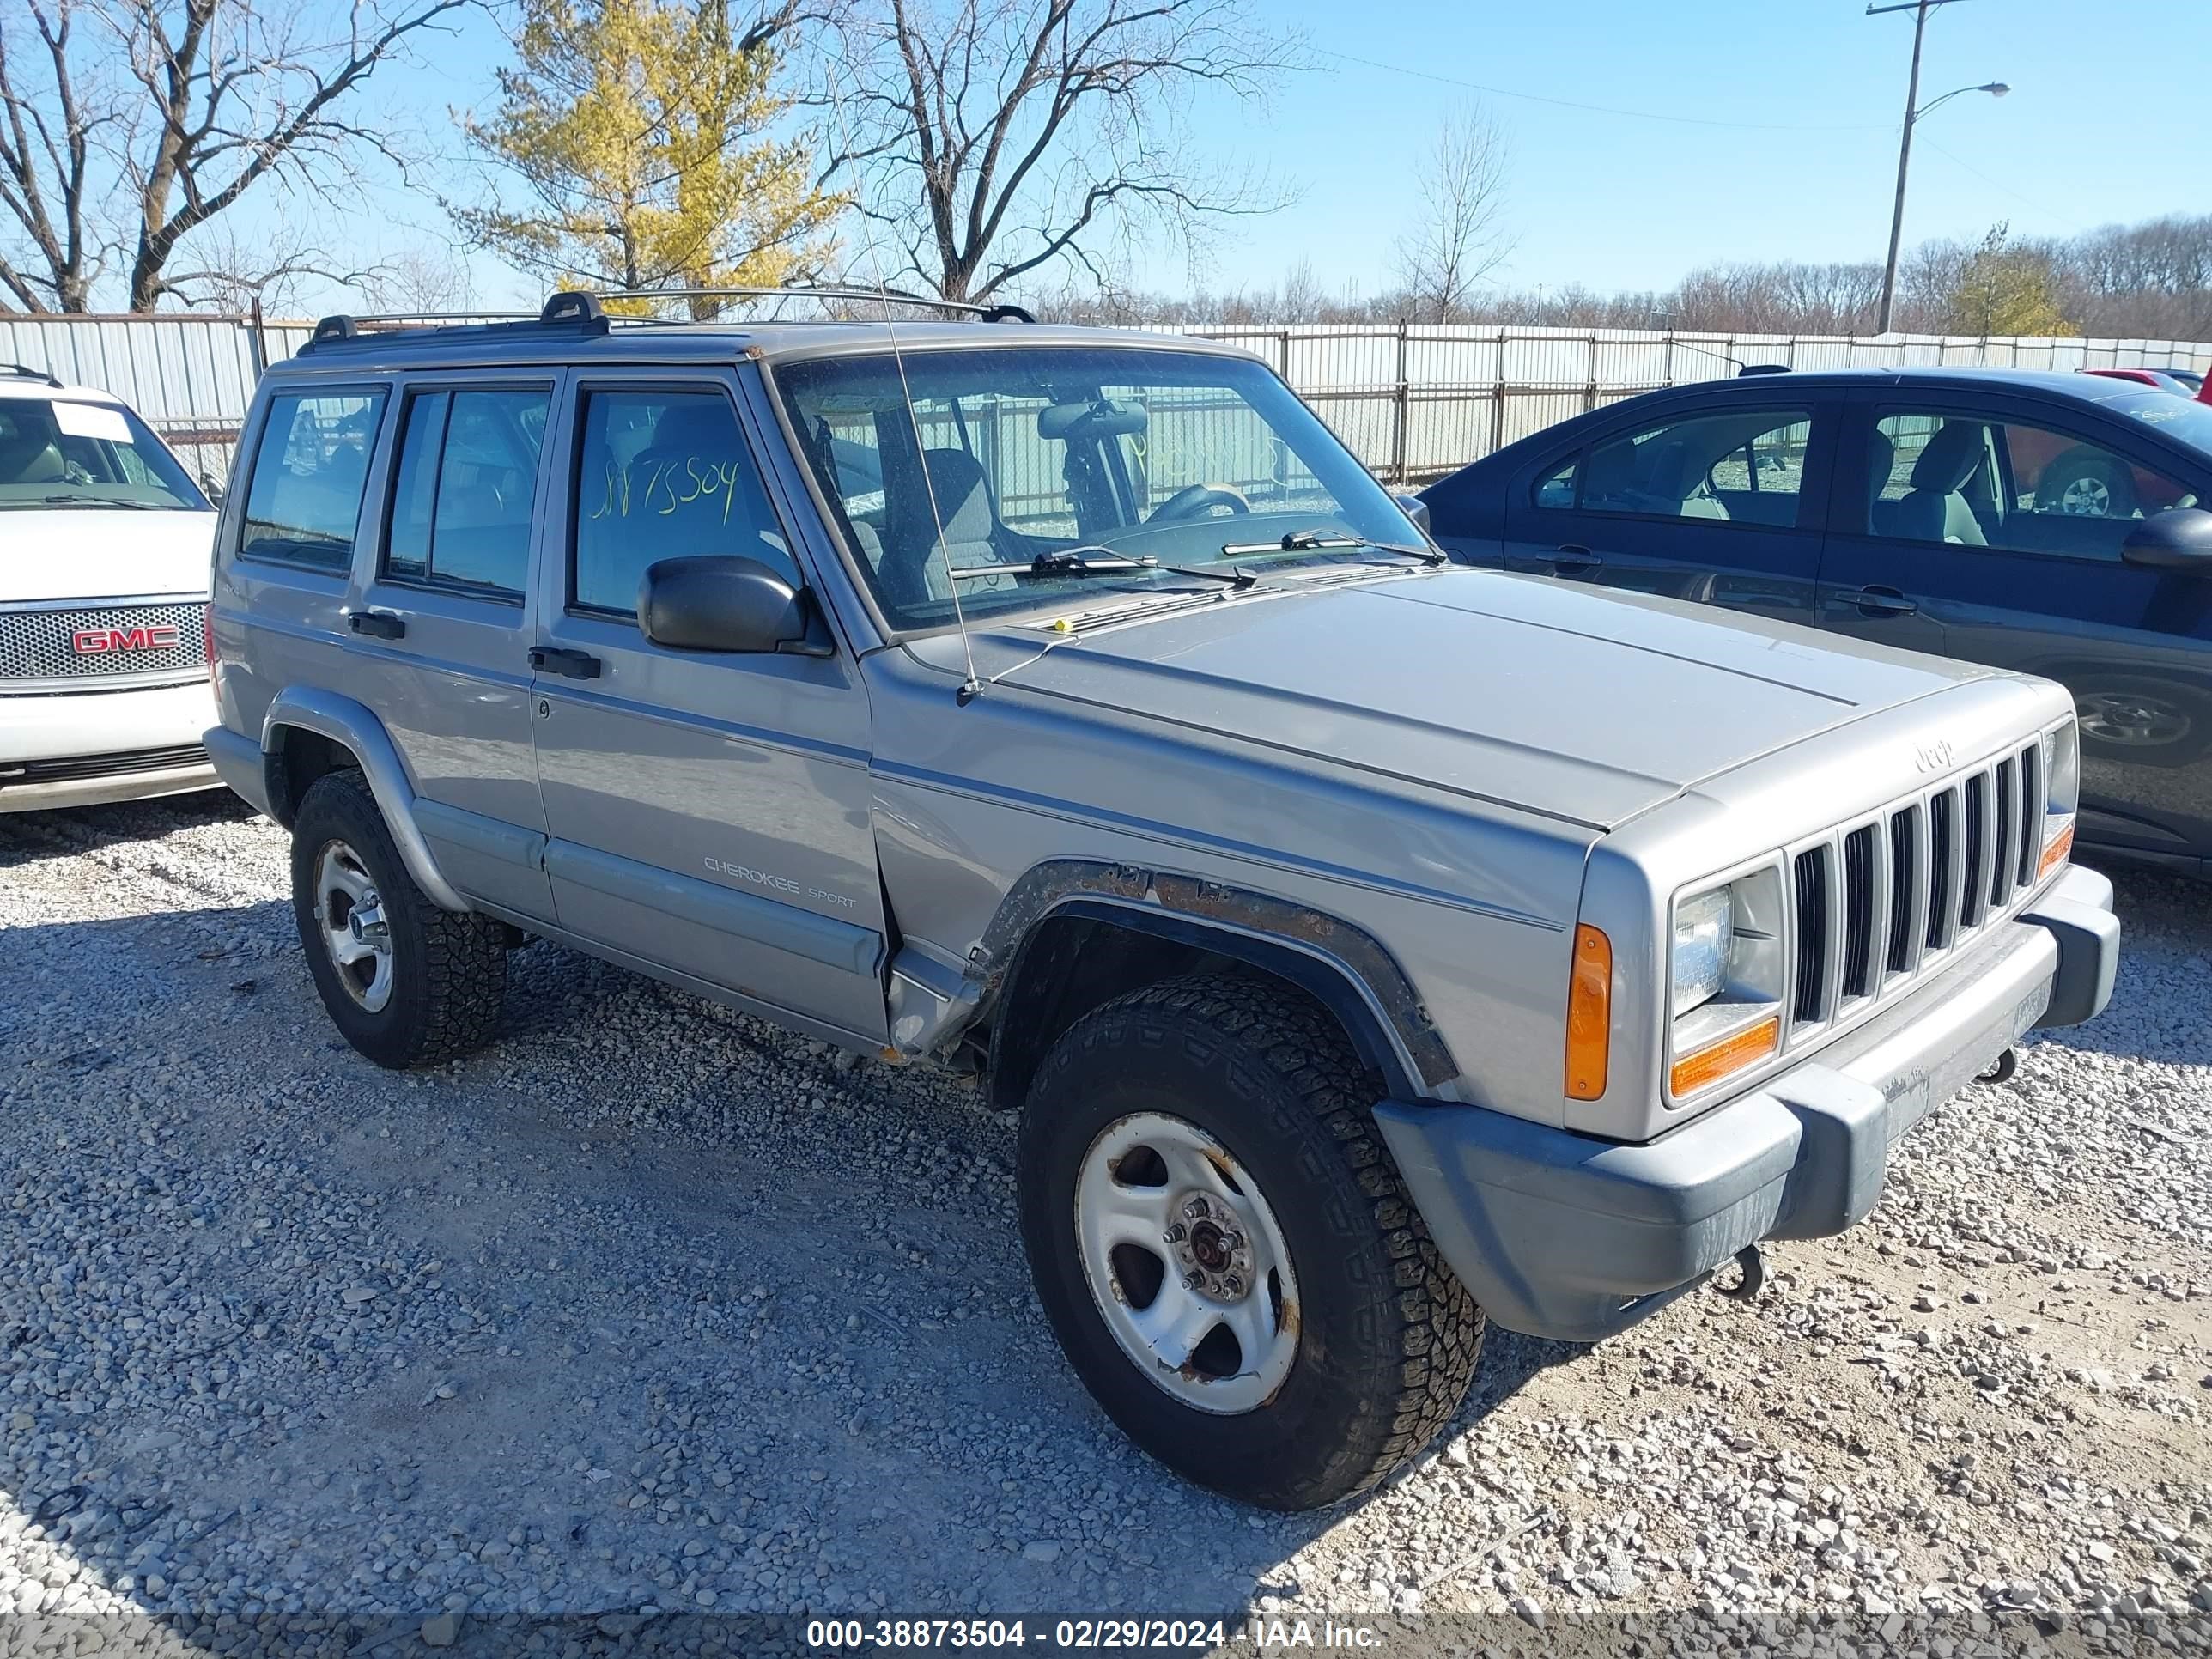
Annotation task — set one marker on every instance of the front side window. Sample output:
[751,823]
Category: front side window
[303,502]
[1743,466]
[664,474]
[1957,478]
[61,452]
[461,498]
[1010,455]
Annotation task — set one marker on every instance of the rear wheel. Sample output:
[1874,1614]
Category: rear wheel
[1226,1250]
[407,983]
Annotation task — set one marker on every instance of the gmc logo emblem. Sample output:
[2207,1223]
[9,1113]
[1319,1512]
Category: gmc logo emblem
[91,641]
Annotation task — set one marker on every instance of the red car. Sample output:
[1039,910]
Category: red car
[2164,380]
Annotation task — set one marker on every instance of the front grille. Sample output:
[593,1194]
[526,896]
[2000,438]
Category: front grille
[79,767]
[1874,903]
[1812,895]
[104,642]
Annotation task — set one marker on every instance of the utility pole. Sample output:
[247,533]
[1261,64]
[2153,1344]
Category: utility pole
[1913,111]
[1904,162]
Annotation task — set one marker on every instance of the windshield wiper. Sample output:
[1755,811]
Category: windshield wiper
[1098,561]
[95,500]
[1306,541]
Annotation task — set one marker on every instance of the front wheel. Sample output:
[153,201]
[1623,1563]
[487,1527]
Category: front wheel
[2084,484]
[1225,1248]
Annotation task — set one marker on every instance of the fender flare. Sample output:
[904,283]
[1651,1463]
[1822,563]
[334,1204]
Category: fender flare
[1339,964]
[351,725]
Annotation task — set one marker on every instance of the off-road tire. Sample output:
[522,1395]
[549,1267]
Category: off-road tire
[449,971]
[1387,1338]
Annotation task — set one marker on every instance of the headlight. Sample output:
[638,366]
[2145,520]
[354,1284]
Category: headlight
[1703,927]
[1729,976]
[2062,794]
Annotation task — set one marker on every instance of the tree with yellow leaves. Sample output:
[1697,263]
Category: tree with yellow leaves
[634,150]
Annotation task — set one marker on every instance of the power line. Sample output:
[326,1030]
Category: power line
[1601,109]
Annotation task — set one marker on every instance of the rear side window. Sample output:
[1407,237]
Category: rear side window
[462,494]
[664,474]
[303,502]
[1744,466]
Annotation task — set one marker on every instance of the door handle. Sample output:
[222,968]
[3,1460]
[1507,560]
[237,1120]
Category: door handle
[377,624]
[1883,602]
[568,665]
[1574,557]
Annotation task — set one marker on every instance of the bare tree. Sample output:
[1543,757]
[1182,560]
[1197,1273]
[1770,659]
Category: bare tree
[420,281]
[52,111]
[995,138]
[131,124]
[233,270]
[1461,237]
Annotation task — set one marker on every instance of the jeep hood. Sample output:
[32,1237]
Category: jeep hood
[101,553]
[1585,707]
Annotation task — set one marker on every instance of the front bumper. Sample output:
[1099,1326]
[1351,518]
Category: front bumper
[1565,1236]
[86,748]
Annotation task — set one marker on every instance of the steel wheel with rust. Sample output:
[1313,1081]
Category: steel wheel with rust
[1225,1248]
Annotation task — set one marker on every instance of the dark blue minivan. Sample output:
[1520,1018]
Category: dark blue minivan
[2056,524]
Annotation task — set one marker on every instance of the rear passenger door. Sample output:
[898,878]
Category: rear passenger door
[709,812]
[1721,503]
[444,627]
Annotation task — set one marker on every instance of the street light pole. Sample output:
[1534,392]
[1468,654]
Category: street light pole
[1904,162]
[1914,109]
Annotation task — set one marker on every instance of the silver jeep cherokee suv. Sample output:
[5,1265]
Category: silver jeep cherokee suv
[1369,946]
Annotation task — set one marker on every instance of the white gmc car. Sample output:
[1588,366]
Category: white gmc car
[104,546]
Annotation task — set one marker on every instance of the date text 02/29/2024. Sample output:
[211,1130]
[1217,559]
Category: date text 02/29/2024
[1124,1635]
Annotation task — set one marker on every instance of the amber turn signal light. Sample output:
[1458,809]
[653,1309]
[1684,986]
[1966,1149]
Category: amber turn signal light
[2055,854]
[1716,1061]
[1589,1014]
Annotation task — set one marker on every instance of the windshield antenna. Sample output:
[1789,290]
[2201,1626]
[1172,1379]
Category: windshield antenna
[971,687]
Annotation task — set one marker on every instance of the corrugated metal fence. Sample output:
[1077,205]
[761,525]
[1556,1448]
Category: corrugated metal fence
[1413,400]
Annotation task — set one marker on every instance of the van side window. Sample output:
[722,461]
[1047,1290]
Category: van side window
[461,499]
[303,502]
[664,474]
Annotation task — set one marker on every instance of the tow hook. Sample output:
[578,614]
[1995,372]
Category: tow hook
[1754,1268]
[2007,1064]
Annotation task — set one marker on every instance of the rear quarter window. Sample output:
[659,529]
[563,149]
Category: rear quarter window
[303,500]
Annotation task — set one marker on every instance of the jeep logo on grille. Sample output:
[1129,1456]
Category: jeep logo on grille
[1932,757]
[92,641]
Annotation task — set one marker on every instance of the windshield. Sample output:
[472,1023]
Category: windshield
[2177,417]
[55,451]
[1029,453]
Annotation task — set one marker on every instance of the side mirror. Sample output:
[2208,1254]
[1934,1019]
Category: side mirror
[211,490]
[1414,508]
[725,603]
[2179,539]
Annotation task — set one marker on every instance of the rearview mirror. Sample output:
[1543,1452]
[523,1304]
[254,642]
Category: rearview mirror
[2179,539]
[725,603]
[1414,508]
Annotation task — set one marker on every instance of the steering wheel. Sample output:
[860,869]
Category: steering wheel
[1191,499]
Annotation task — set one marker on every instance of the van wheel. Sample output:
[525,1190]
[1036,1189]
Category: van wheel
[1226,1250]
[408,983]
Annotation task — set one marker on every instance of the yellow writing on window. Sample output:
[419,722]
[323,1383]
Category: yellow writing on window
[660,488]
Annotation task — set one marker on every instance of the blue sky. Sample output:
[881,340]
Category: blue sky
[2110,119]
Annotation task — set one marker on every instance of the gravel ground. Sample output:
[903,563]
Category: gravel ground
[655,1309]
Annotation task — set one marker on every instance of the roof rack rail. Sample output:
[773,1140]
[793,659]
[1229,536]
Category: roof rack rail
[988,313]
[25,371]
[587,313]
